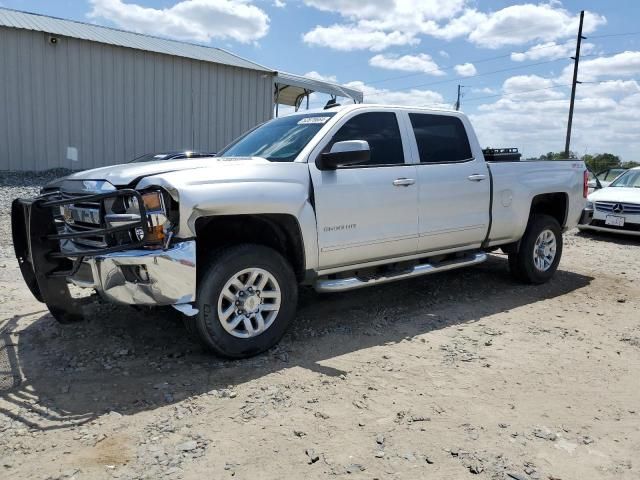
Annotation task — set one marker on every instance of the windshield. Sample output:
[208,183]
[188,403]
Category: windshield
[280,139]
[630,179]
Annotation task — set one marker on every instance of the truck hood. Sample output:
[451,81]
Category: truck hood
[127,173]
[616,194]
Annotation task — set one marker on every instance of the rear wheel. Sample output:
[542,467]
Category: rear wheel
[246,300]
[537,259]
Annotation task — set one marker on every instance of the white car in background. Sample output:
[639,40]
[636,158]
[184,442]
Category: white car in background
[615,208]
[607,176]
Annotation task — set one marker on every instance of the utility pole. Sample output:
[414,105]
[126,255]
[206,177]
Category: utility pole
[458,100]
[576,60]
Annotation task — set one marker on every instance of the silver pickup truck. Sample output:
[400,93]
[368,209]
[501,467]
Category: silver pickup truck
[335,199]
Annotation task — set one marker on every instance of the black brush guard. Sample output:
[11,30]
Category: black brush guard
[36,241]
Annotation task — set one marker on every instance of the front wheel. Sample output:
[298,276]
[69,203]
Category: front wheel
[246,300]
[540,250]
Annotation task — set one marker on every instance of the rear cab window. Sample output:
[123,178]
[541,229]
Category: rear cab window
[380,130]
[440,138]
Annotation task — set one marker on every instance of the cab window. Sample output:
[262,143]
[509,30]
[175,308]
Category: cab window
[380,130]
[440,138]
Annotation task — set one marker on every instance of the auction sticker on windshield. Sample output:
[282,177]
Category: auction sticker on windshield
[308,120]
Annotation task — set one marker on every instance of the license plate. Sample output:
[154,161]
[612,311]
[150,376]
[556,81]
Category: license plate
[615,221]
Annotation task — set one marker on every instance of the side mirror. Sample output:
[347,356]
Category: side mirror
[349,152]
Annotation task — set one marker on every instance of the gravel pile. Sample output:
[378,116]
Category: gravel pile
[20,184]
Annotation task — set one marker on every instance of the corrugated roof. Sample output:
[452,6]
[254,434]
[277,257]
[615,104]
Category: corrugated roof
[300,84]
[122,38]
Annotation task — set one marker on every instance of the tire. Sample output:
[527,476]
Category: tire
[523,263]
[250,336]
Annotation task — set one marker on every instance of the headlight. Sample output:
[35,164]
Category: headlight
[153,202]
[157,219]
[589,206]
[126,211]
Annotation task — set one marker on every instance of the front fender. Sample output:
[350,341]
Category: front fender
[254,190]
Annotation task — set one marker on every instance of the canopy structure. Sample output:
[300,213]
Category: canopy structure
[290,89]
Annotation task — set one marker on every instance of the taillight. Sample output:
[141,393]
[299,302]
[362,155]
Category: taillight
[585,186]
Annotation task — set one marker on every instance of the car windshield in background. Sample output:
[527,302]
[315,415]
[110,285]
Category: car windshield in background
[280,139]
[630,179]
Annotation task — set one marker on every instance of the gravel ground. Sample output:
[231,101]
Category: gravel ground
[460,375]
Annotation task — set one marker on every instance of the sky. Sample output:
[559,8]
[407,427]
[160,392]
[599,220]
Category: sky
[512,58]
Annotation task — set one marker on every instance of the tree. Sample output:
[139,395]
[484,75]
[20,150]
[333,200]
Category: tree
[557,156]
[630,164]
[602,161]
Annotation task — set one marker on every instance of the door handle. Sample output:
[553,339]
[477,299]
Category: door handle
[476,177]
[403,182]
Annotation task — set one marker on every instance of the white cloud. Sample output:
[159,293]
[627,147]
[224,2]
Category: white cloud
[408,63]
[551,51]
[531,87]
[392,11]
[199,20]
[378,24]
[351,37]
[486,90]
[318,76]
[279,4]
[465,69]
[443,54]
[413,97]
[405,21]
[625,64]
[519,24]
[353,8]
[611,88]
[457,27]
[605,120]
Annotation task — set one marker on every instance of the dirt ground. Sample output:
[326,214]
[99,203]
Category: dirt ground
[459,375]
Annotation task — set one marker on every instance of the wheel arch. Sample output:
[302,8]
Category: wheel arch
[554,204]
[282,232]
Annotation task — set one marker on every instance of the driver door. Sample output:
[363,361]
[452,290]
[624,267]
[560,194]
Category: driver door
[367,212]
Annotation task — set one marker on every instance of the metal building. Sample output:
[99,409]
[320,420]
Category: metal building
[79,96]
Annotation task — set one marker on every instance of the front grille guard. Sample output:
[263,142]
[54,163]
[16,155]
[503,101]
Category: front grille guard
[52,201]
[36,242]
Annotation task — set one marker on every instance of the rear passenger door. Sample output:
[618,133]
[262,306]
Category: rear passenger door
[454,186]
[367,211]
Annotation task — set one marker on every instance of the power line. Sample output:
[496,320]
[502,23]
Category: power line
[472,99]
[482,60]
[518,67]
[484,97]
[613,35]
[497,57]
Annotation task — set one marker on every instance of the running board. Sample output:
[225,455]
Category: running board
[351,283]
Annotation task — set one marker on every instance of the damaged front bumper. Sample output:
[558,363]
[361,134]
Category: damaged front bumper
[50,259]
[143,277]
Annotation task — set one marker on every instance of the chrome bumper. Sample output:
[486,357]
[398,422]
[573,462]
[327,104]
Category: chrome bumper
[609,230]
[143,277]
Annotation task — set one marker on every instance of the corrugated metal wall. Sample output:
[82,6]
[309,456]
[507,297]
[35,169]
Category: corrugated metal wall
[114,103]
